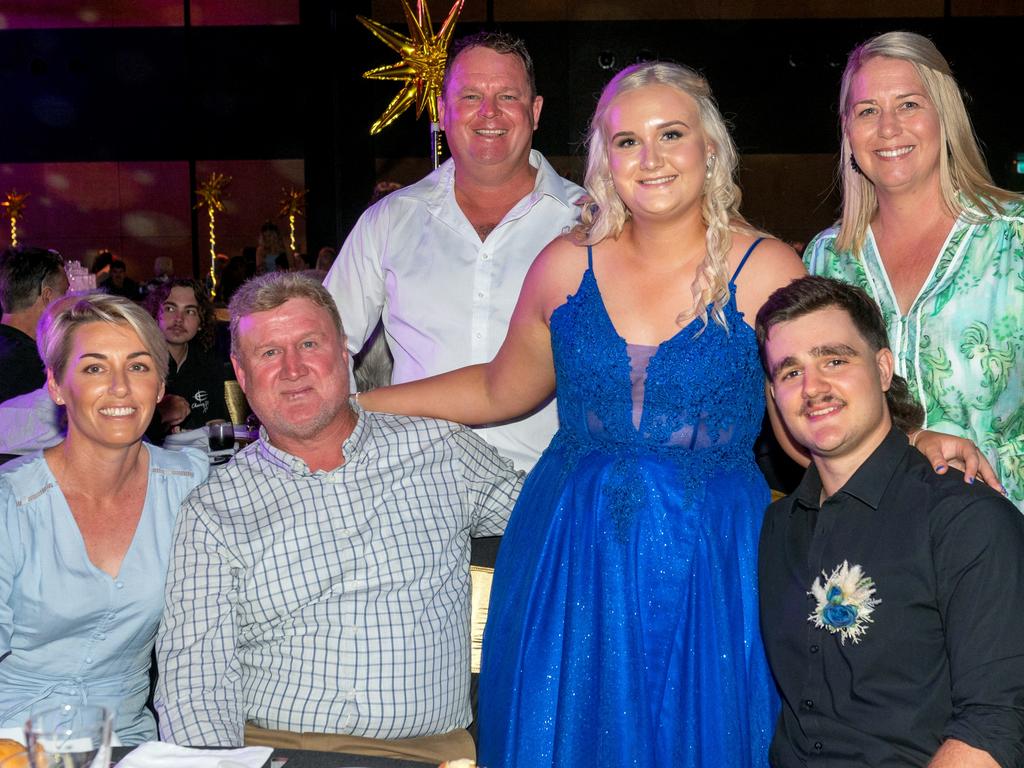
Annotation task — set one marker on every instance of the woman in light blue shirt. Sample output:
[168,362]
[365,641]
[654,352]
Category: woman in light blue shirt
[88,522]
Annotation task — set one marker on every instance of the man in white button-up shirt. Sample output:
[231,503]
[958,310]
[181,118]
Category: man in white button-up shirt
[442,261]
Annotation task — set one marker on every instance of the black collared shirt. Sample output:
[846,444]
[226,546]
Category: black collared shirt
[943,654]
[21,370]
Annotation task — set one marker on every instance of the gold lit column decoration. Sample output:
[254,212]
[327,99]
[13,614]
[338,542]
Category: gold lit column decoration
[210,194]
[293,204]
[13,205]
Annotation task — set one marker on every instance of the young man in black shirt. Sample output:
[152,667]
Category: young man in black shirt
[195,379]
[889,594]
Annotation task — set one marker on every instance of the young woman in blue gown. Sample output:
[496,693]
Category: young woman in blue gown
[623,622]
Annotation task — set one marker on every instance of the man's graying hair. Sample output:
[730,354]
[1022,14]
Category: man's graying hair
[810,294]
[270,291]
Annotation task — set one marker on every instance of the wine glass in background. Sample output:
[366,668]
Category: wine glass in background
[222,436]
[70,736]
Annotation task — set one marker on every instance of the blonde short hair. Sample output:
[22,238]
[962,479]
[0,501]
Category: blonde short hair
[963,175]
[720,201]
[270,291]
[56,330]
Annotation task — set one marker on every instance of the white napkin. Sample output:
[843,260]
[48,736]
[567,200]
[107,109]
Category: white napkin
[159,754]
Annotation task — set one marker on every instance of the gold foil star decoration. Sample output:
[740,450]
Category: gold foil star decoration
[211,191]
[12,207]
[423,58]
[293,204]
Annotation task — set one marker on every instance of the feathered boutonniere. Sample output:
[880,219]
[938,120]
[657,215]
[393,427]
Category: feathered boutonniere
[845,602]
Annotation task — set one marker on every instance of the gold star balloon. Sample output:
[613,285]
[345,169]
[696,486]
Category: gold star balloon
[12,207]
[423,58]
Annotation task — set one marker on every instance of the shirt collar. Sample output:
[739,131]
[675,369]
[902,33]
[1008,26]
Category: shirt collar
[869,482]
[547,184]
[352,448]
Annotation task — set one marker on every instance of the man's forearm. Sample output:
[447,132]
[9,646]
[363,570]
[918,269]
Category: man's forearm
[956,754]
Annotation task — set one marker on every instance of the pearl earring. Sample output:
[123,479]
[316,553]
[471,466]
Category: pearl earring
[710,165]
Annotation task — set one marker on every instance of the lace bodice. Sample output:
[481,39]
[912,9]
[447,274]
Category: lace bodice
[699,392]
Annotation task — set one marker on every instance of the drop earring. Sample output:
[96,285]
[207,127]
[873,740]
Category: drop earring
[710,164]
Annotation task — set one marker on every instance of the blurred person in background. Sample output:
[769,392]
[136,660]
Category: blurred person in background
[195,379]
[30,278]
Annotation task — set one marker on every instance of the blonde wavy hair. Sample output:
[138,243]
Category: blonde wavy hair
[963,175]
[720,200]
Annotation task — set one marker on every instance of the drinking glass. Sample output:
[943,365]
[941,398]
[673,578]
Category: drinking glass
[70,736]
[222,436]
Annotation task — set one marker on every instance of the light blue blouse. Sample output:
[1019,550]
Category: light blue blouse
[69,631]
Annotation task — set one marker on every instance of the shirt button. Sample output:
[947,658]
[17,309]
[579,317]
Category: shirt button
[119,584]
[818,746]
[814,649]
[485,256]
[88,659]
[808,704]
[479,294]
[478,335]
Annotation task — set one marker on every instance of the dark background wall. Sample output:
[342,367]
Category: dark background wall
[187,92]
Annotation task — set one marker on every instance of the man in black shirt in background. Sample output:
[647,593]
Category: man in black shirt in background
[195,379]
[891,596]
[30,278]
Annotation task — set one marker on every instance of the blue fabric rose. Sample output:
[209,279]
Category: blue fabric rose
[840,615]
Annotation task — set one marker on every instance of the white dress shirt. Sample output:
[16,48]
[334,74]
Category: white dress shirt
[445,296]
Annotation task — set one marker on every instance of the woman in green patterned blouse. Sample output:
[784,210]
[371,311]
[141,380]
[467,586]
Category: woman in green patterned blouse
[929,236]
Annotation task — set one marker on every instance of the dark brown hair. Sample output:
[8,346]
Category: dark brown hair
[810,294]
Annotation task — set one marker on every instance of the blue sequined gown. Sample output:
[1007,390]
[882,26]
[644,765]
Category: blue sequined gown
[623,627]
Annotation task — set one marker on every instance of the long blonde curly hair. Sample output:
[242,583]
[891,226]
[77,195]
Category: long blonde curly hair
[963,175]
[720,201]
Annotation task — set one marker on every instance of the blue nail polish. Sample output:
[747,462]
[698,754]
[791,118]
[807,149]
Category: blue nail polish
[940,468]
[971,481]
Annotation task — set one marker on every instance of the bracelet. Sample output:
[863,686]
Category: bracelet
[914,436]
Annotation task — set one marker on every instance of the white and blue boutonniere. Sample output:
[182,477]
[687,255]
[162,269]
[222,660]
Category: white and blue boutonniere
[845,602]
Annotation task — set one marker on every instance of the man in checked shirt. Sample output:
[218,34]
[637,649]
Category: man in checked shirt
[319,590]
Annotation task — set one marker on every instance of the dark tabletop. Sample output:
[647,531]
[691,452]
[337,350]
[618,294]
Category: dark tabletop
[300,758]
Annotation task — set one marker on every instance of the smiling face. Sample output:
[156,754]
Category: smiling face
[110,385]
[179,316]
[829,385]
[893,127]
[488,112]
[293,367]
[657,151]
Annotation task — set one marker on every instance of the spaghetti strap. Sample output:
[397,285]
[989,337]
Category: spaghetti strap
[743,261]
[590,258]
